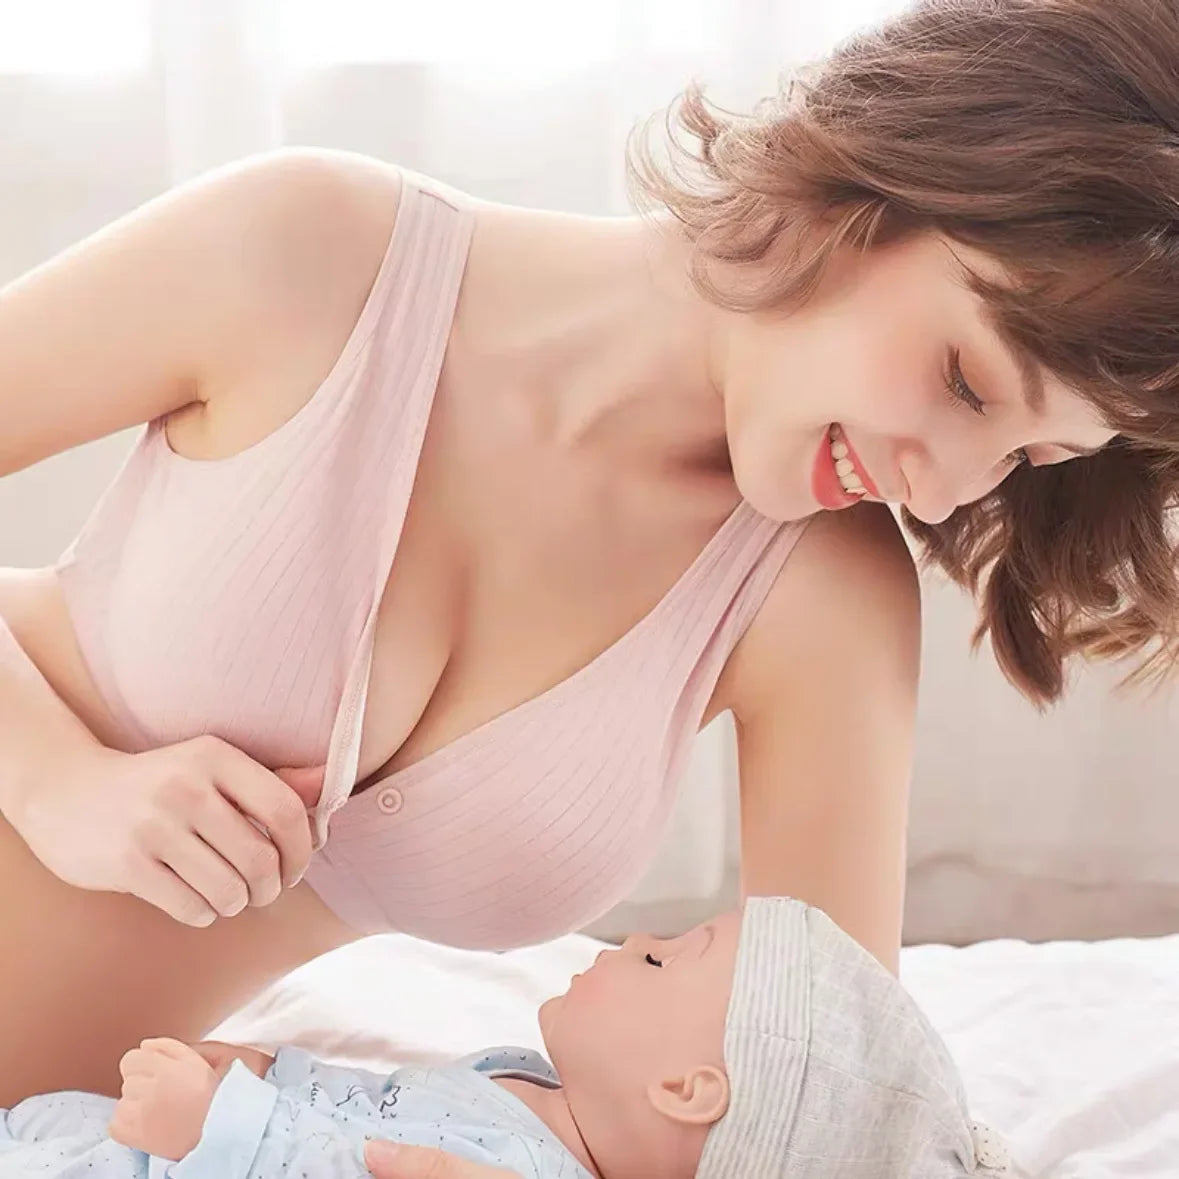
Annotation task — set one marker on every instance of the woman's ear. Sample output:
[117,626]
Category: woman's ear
[698,1098]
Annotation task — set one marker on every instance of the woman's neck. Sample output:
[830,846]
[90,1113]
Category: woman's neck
[593,329]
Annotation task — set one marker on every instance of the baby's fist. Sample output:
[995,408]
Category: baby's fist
[167,1091]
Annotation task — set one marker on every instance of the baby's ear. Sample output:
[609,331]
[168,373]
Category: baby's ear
[698,1098]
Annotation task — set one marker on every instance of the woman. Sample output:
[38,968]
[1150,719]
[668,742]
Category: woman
[397,544]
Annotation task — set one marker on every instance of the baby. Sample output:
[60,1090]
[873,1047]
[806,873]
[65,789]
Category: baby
[761,1045]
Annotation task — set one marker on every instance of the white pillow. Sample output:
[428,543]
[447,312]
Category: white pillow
[390,1000]
[1070,1051]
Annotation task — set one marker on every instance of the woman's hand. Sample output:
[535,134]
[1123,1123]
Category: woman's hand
[199,829]
[387,1160]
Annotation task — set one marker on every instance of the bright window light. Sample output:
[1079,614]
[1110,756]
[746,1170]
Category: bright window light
[74,36]
[834,21]
[503,33]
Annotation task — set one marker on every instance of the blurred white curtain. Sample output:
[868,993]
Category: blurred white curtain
[527,99]
[104,103]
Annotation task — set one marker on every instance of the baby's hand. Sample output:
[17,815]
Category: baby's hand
[167,1091]
[221,1056]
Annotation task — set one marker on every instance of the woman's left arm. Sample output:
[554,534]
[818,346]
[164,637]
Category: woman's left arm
[823,687]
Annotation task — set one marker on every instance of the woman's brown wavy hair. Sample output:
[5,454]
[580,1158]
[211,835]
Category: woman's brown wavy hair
[1046,133]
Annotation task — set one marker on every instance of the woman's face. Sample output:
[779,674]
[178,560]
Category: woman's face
[890,384]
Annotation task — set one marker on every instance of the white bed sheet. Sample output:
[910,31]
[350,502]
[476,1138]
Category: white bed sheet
[1070,1050]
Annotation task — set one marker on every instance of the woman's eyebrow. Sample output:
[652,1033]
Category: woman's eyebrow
[1031,377]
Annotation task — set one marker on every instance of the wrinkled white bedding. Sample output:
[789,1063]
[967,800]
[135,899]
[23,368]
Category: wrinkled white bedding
[1071,1050]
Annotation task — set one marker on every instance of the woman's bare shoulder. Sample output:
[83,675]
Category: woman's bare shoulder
[307,231]
[850,587]
[218,289]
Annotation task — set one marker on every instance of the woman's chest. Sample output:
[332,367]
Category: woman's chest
[243,610]
[502,593]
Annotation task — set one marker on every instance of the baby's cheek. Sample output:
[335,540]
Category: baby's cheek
[593,1002]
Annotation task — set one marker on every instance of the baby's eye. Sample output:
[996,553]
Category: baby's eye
[654,962]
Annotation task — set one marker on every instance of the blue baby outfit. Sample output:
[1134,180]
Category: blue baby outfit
[306,1120]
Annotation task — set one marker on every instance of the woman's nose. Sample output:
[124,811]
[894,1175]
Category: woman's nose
[932,497]
[938,487]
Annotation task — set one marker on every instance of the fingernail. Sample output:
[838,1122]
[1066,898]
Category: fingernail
[382,1151]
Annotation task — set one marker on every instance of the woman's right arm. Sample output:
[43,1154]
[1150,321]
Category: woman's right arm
[229,297]
[198,829]
[36,728]
[201,298]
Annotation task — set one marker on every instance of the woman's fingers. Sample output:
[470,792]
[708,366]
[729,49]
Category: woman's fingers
[269,802]
[306,782]
[207,872]
[252,857]
[157,884]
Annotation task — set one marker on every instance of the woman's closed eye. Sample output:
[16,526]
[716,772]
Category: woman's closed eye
[962,394]
[959,388]
[654,962]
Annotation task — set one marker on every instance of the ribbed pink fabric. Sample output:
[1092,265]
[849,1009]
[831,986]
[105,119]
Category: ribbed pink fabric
[239,597]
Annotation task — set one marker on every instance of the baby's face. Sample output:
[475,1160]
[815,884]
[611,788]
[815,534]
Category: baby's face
[650,1006]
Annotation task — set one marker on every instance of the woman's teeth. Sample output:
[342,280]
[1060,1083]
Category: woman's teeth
[844,467]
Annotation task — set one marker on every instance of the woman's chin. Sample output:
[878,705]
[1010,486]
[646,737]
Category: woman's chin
[778,503]
[764,486]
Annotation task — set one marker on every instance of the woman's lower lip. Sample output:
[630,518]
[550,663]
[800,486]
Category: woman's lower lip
[825,485]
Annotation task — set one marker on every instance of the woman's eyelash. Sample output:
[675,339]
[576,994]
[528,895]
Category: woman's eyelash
[958,389]
[654,962]
[963,394]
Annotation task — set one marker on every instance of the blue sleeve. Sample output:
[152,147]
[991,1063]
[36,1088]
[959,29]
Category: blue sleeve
[255,1131]
[233,1130]
[311,1121]
[297,1071]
